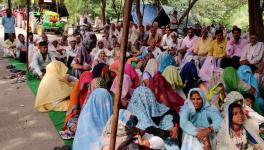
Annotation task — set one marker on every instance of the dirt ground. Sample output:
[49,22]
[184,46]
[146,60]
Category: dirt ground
[21,127]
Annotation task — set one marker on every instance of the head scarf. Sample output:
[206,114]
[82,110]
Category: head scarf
[101,70]
[83,56]
[92,120]
[78,95]
[223,137]
[152,66]
[126,88]
[165,59]
[130,71]
[216,96]
[207,70]
[245,74]
[231,79]
[144,106]
[206,116]
[146,76]
[173,77]
[125,129]
[165,94]
[54,87]
[205,105]
[98,83]
[189,76]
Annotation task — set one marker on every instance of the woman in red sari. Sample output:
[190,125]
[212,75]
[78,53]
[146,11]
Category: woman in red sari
[78,96]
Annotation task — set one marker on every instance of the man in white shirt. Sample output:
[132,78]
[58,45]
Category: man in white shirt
[174,21]
[114,31]
[21,48]
[41,59]
[9,46]
[166,40]
[57,50]
[253,53]
[100,46]
[107,41]
[150,49]
[9,24]
[71,51]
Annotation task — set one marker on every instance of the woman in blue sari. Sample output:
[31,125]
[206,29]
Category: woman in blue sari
[155,118]
[165,60]
[245,74]
[92,120]
[199,122]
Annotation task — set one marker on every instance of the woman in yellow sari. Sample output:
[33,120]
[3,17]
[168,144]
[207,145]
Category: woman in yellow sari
[54,89]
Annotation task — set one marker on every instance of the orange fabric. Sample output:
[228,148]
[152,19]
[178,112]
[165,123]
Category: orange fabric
[78,96]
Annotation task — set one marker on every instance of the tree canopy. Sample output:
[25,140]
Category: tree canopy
[204,11]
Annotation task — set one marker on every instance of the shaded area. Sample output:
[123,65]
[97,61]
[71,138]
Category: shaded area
[57,118]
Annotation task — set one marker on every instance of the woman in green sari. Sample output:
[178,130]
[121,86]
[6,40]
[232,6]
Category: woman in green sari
[232,82]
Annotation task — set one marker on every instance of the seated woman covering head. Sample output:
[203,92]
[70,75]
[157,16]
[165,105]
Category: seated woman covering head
[126,90]
[216,95]
[100,57]
[245,74]
[236,131]
[102,70]
[127,131]
[81,90]
[199,122]
[152,67]
[92,120]
[82,62]
[54,89]
[163,91]
[232,82]
[172,75]
[155,118]
[165,60]
[189,76]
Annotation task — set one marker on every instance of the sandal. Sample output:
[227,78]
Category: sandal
[14,71]
[65,147]
[66,135]
[12,76]
[57,148]
[10,67]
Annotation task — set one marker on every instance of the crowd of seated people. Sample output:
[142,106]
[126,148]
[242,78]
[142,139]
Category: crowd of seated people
[201,91]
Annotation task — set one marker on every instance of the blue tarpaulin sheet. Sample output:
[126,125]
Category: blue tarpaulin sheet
[151,12]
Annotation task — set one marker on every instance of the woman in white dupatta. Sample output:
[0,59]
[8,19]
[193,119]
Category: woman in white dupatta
[237,132]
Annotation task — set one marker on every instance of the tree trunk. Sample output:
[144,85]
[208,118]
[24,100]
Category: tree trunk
[251,8]
[255,19]
[117,13]
[139,16]
[187,11]
[103,5]
[259,28]
[9,5]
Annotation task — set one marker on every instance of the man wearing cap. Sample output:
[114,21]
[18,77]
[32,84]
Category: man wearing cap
[71,50]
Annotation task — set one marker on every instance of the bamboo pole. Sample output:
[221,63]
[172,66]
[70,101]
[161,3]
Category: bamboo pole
[28,7]
[120,74]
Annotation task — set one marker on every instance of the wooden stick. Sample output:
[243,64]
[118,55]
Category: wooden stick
[120,74]
[28,7]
